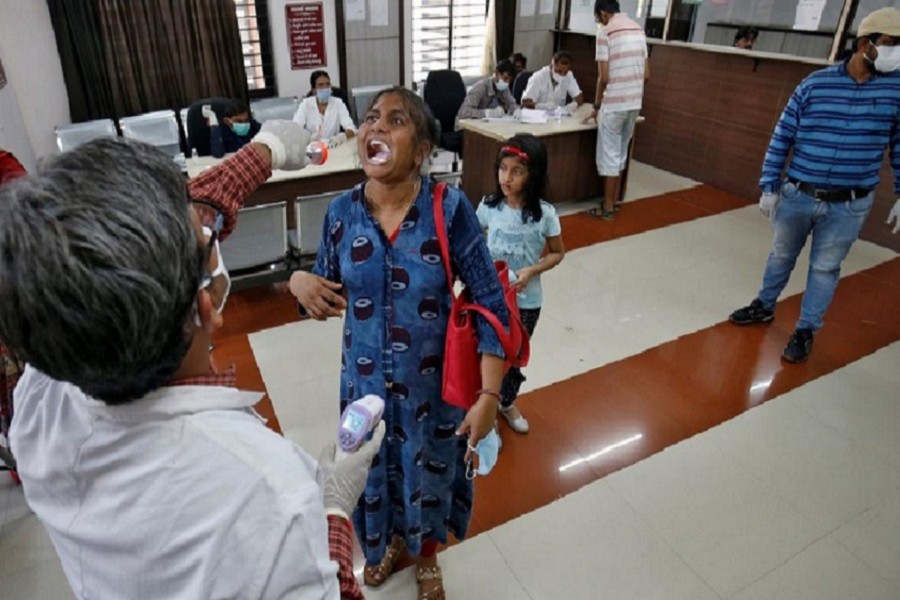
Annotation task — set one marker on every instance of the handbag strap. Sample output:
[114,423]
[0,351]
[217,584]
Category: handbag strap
[504,336]
[441,227]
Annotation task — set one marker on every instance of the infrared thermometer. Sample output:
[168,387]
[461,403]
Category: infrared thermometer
[358,420]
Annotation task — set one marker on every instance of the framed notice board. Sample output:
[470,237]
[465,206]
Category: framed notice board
[306,35]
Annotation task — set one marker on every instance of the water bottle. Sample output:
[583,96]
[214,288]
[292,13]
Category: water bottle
[317,152]
[194,154]
[558,113]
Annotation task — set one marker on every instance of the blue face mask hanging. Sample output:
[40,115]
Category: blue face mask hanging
[240,129]
[487,450]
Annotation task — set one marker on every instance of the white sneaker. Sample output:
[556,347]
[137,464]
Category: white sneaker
[518,424]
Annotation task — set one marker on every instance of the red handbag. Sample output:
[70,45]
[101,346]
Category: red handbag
[462,362]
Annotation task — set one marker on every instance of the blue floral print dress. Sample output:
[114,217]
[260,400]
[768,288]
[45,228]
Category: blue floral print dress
[393,344]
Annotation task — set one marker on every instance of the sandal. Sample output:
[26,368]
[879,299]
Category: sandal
[376,575]
[430,575]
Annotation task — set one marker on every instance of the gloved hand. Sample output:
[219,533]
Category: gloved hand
[517,114]
[494,113]
[894,216]
[571,107]
[345,479]
[767,204]
[210,115]
[287,141]
[337,140]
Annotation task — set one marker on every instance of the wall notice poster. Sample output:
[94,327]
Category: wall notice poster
[2,76]
[809,14]
[306,35]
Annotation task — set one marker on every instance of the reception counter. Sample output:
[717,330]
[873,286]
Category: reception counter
[710,112]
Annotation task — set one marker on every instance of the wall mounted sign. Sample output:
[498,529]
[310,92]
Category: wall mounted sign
[306,35]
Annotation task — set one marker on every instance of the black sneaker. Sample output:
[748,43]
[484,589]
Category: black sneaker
[754,313]
[799,347]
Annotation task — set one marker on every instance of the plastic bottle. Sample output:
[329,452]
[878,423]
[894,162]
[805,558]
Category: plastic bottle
[317,152]
[194,153]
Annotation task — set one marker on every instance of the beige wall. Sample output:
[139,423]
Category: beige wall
[34,100]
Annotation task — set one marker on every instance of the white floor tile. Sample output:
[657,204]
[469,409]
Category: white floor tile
[874,537]
[860,401]
[45,581]
[824,571]
[645,181]
[25,544]
[810,464]
[727,525]
[591,545]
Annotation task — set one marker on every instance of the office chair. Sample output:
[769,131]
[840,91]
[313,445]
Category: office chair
[158,128]
[274,108]
[197,128]
[72,136]
[444,94]
[519,85]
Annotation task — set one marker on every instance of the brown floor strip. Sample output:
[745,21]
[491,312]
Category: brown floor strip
[672,392]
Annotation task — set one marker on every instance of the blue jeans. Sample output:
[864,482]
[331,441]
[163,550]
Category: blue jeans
[834,227]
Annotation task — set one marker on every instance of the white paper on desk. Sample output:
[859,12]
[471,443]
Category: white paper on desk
[546,7]
[526,8]
[503,119]
[355,10]
[378,13]
[531,115]
[809,13]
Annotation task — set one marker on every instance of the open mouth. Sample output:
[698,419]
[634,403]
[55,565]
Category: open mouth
[377,152]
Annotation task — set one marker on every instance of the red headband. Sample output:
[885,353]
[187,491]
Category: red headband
[514,150]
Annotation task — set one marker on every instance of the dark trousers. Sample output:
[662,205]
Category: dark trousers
[509,390]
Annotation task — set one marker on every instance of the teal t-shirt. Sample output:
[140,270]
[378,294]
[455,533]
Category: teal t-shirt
[519,244]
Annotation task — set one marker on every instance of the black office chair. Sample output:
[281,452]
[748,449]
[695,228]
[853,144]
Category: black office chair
[197,128]
[444,94]
[519,85]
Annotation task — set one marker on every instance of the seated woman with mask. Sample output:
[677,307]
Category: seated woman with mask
[323,114]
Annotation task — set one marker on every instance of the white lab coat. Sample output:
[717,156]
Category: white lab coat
[181,494]
[327,125]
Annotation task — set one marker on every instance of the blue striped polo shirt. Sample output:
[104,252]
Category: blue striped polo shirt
[838,130]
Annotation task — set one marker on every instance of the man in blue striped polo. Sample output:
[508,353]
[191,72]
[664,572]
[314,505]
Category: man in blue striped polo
[838,122]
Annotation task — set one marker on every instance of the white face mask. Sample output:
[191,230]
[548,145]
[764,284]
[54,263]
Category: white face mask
[501,86]
[220,270]
[888,59]
[556,76]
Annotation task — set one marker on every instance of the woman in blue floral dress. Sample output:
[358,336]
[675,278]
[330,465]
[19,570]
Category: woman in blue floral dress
[379,265]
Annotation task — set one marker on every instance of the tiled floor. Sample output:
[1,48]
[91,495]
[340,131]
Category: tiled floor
[672,455]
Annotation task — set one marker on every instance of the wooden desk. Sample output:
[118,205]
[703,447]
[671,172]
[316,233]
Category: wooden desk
[571,155]
[341,171]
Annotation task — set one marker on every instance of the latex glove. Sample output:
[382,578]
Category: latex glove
[494,113]
[517,114]
[545,106]
[210,115]
[571,107]
[894,216]
[767,204]
[287,141]
[345,479]
[337,140]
